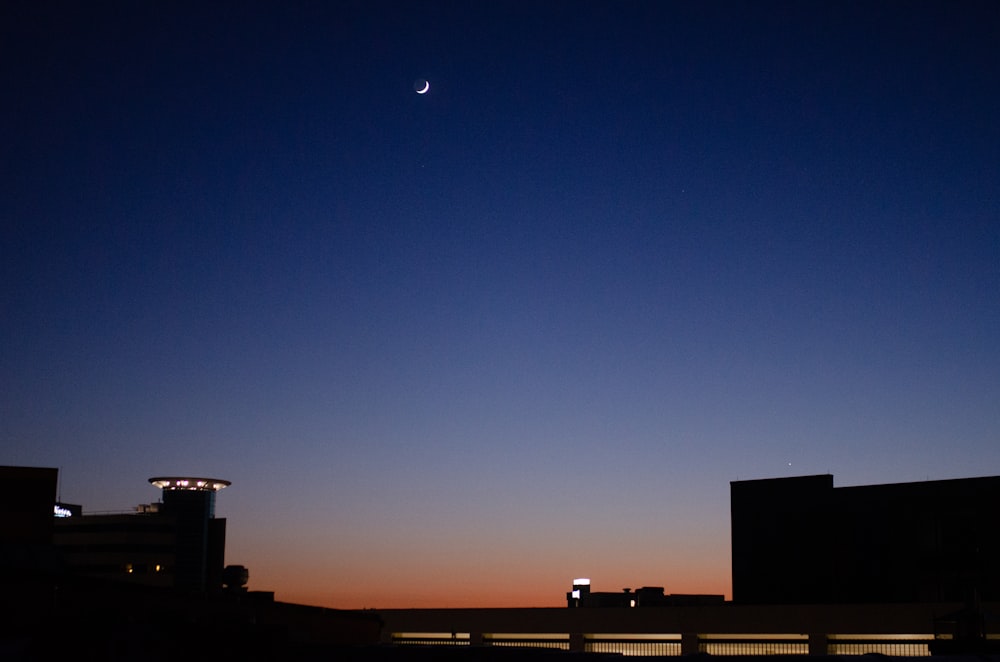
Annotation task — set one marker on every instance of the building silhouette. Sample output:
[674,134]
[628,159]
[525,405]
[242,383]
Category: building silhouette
[801,540]
[178,543]
[941,535]
[200,536]
[27,495]
[148,584]
[646,596]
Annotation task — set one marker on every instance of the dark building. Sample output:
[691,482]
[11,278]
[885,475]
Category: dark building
[27,498]
[647,596]
[200,544]
[178,543]
[800,540]
[106,585]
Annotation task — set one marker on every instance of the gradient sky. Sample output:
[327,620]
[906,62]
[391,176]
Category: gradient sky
[460,348]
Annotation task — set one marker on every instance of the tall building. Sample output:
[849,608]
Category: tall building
[200,543]
[801,540]
[178,543]
[74,582]
[27,498]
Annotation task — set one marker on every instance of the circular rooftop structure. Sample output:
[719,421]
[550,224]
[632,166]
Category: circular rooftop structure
[189,483]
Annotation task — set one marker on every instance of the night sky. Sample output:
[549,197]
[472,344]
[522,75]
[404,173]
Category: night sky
[456,349]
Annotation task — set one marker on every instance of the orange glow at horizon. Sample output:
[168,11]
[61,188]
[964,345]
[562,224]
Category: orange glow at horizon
[403,588]
[415,557]
[458,595]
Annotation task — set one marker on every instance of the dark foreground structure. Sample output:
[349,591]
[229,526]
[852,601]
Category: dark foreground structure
[803,541]
[149,585]
[92,590]
[899,630]
[177,542]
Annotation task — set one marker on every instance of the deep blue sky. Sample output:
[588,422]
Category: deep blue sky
[460,348]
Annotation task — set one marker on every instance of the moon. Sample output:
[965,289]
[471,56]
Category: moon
[421,85]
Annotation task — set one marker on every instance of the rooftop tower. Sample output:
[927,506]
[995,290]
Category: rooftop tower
[201,538]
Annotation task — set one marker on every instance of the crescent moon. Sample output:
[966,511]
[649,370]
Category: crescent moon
[427,86]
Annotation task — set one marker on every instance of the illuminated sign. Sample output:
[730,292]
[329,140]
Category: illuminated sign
[59,511]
